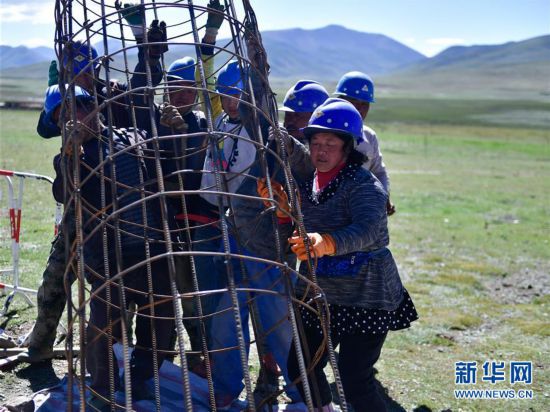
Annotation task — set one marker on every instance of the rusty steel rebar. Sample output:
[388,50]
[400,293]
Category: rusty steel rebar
[100,23]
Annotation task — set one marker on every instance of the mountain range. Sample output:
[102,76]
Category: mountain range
[11,57]
[325,54]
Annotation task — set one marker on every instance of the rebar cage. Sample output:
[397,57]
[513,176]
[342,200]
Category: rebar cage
[140,242]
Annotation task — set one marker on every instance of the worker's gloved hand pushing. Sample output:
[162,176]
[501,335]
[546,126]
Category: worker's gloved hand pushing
[134,14]
[279,195]
[171,117]
[53,74]
[78,133]
[157,34]
[282,133]
[215,16]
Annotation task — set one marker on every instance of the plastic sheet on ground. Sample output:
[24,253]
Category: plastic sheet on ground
[55,398]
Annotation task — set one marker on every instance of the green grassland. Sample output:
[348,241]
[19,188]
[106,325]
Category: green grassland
[18,89]
[471,237]
[514,81]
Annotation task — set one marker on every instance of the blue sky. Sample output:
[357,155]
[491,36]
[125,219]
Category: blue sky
[428,26]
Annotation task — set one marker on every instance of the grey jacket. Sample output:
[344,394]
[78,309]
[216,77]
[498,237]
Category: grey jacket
[375,164]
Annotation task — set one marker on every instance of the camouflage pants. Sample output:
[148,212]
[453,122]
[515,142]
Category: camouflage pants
[51,296]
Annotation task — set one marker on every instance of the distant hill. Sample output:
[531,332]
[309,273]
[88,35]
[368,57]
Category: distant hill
[11,57]
[323,54]
[329,52]
[520,70]
[535,50]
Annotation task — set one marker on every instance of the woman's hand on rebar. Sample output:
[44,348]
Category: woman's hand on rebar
[320,245]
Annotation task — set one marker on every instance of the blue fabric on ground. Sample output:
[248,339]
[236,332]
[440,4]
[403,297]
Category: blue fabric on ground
[171,393]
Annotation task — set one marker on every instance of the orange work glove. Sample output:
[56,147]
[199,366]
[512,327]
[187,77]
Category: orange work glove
[321,244]
[279,194]
[390,207]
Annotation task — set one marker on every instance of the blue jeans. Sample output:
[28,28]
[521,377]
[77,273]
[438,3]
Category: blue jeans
[208,239]
[272,311]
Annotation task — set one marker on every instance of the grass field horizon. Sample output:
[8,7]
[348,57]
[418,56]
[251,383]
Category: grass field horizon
[471,183]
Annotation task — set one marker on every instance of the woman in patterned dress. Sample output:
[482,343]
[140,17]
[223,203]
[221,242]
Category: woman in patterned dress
[344,213]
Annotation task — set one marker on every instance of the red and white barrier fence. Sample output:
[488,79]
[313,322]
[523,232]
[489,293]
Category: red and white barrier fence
[15,203]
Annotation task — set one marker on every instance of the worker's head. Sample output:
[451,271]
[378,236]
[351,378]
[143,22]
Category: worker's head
[230,85]
[333,131]
[181,83]
[358,89]
[82,59]
[300,101]
[53,100]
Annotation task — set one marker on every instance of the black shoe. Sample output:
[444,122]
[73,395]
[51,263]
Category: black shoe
[97,403]
[141,392]
[266,388]
[34,355]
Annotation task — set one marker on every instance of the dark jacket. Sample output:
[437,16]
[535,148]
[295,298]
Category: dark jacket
[119,107]
[128,204]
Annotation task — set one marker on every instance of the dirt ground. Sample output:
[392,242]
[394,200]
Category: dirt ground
[522,286]
[18,382]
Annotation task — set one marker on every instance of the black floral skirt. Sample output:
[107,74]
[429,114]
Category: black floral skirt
[354,320]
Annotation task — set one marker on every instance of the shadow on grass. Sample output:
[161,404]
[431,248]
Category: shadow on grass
[40,375]
[6,318]
[391,404]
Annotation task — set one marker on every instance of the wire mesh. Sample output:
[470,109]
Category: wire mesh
[175,255]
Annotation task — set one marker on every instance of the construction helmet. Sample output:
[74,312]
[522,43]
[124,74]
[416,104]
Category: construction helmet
[81,55]
[304,96]
[356,85]
[53,99]
[336,116]
[182,69]
[230,79]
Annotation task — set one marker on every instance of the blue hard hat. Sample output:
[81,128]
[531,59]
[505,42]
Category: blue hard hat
[81,55]
[356,85]
[230,79]
[53,99]
[182,69]
[304,96]
[336,116]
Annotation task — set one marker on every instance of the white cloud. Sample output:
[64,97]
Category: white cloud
[42,13]
[445,41]
[431,47]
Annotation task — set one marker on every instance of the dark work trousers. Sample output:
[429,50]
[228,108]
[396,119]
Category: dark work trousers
[184,282]
[103,314]
[357,356]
